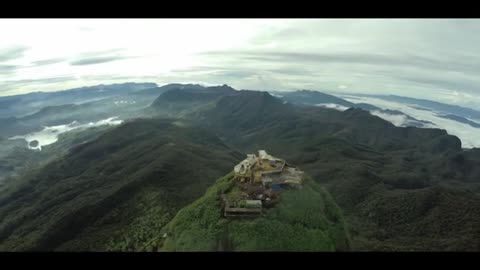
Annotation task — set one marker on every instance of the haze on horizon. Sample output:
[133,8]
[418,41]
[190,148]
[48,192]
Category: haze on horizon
[436,59]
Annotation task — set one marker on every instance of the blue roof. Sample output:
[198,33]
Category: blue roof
[276,187]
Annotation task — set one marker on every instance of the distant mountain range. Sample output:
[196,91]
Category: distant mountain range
[460,119]
[433,105]
[400,111]
[25,104]
[315,98]
[88,104]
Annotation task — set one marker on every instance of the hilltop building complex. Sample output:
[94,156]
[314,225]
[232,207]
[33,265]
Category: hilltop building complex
[258,181]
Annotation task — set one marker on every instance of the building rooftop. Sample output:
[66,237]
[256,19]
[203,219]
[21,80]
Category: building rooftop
[257,182]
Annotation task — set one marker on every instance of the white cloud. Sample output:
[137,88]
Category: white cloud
[49,135]
[159,45]
[470,136]
[398,120]
[409,57]
[332,106]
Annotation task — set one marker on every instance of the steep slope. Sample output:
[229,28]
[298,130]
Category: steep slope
[304,220]
[16,158]
[411,177]
[251,117]
[245,112]
[432,218]
[114,192]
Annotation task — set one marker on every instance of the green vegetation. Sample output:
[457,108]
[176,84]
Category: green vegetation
[369,166]
[17,160]
[123,188]
[188,100]
[303,220]
[107,194]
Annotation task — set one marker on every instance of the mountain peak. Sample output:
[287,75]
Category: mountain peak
[222,88]
[289,226]
[253,98]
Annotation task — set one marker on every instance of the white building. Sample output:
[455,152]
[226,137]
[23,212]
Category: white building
[262,154]
[245,165]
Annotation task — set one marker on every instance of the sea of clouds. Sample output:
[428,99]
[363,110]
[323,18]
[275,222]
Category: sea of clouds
[470,136]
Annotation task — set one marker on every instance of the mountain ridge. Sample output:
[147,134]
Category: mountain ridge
[118,192]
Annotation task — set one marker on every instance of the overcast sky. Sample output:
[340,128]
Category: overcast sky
[433,59]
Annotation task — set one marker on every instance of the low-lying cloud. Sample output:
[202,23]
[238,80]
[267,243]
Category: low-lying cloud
[399,120]
[470,136]
[49,135]
[332,106]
